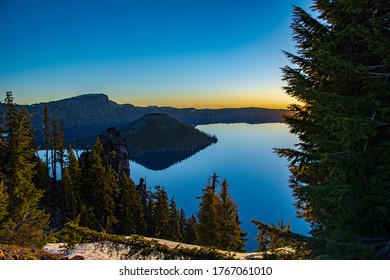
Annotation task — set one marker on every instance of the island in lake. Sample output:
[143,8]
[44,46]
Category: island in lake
[158,140]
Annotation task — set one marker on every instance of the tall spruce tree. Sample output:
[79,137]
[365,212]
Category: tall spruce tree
[174,222]
[218,222]
[71,181]
[46,135]
[161,212]
[182,224]
[207,226]
[54,146]
[104,189]
[131,210]
[3,201]
[230,235]
[191,230]
[25,222]
[341,167]
[60,145]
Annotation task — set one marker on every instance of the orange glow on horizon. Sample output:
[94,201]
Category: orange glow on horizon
[277,101]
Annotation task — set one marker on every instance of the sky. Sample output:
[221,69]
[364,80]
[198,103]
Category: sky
[182,53]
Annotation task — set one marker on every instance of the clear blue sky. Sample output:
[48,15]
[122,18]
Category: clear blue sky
[185,53]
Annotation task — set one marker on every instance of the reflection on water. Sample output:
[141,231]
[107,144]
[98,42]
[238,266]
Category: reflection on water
[258,178]
[163,160]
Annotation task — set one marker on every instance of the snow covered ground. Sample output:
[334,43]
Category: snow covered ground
[92,251]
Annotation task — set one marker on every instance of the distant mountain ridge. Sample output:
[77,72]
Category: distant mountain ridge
[89,114]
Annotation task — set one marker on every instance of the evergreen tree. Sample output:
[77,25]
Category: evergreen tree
[46,135]
[105,189]
[41,180]
[3,202]
[59,146]
[279,242]
[71,180]
[230,235]
[174,222]
[218,222]
[190,230]
[162,215]
[54,146]
[25,221]
[182,225]
[150,214]
[341,168]
[131,212]
[207,227]
[87,181]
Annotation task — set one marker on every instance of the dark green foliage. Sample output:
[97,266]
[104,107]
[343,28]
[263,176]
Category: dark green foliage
[104,189]
[25,222]
[59,146]
[150,214]
[131,211]
[279,242]
[87,217]
[230,237]
[46,136]
[41,180]
[207,233]
[218,222]
[54,146]
[71,181]
[3,202]
[175,233]
[191,230]
[341,168]
[162,215]
[182,225]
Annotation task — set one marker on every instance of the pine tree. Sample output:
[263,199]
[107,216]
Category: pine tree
[54,146]
[3,210]
[131,212]
[279,242]
[162,215]
[190,230]
[150,214]
[218,222]
[71,180]
[207,227]
[46,135]
[230,235]
[105,189]
[3,202]
[26,222]
[59,145]
[182,224]
[174,232]
[341,168]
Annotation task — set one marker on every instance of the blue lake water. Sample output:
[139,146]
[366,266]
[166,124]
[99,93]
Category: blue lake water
[258,178]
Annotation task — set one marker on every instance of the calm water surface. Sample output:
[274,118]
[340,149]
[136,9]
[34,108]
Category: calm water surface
[258,178]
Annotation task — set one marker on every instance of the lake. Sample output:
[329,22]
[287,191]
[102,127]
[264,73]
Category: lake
[258,178]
